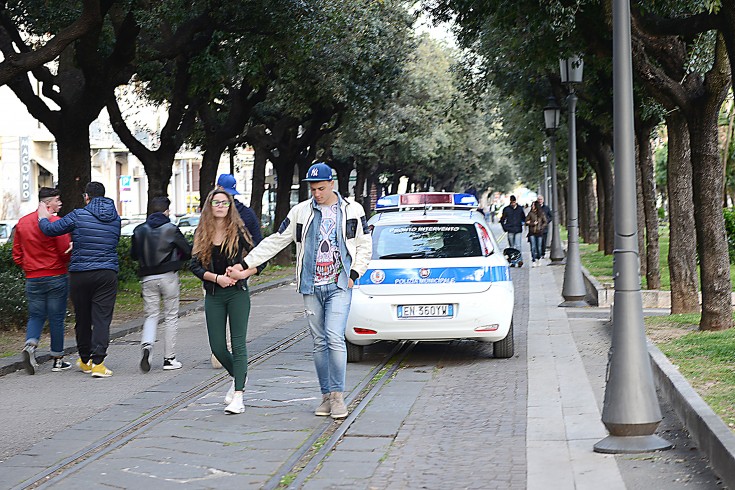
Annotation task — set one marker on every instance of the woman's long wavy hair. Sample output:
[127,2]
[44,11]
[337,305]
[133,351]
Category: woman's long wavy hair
[206,230]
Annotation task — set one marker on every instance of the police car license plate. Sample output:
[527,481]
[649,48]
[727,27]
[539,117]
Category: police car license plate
[425,311]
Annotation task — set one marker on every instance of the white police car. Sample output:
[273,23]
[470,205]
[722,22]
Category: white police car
[436,273]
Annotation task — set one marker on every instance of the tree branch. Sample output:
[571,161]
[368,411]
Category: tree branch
[16,63]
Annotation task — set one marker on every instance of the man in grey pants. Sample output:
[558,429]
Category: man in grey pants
[161,250]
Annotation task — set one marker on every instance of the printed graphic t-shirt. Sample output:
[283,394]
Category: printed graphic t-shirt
[328,260]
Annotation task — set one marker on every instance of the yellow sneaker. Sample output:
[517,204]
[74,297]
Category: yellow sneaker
[100,371]
[86,368]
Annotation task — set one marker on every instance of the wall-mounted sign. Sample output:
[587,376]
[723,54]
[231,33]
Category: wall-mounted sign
[126,182]
[25,168]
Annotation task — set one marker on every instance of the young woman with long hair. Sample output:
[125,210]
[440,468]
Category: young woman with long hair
[220,242]
[536,221]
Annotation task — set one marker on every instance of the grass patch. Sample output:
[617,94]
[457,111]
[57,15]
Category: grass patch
[705,359]
[601,265]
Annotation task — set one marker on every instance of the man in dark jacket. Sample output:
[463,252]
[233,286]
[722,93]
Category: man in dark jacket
[160,249]
[95,231]
[512,221]
[228,183]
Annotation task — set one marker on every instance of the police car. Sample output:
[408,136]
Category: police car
[436,273]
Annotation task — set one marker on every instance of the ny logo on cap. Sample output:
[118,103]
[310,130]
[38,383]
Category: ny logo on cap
[314,172]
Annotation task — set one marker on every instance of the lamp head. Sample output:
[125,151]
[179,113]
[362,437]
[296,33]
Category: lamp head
[571,70]
[551,114]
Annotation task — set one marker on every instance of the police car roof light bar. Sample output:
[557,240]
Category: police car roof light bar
[435,200]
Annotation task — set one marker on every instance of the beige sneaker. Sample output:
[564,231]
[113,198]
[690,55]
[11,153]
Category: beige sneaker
[215,363]
[337,402]
[325,408]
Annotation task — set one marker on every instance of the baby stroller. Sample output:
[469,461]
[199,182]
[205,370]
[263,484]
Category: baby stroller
[512,255]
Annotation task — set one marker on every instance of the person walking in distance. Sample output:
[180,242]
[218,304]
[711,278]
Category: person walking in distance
[220,242]
[512,220]
[228,183]
[333,246]
[44,261]
[160,249]
[93,268]
[545,209]
[536,221]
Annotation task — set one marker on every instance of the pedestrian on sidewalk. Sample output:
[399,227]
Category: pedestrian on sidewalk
[512,220]
[227,183]
[221,241]
[547,212]
[44,261]
[333,246]
[93,268]
[160,249]
[536,222]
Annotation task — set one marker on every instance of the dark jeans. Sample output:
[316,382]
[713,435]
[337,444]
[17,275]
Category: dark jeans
[47,299]
[93,294]
[544,240]
[535,246]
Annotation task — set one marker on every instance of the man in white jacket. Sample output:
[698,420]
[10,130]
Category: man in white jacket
[333,247]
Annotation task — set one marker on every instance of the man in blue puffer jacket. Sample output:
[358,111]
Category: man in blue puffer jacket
[95,232]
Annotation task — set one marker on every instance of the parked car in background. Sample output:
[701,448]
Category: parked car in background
[127,230]
[6,229]
[187,223]
[436,274]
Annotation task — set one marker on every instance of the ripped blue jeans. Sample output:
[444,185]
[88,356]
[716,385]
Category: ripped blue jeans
[326,311]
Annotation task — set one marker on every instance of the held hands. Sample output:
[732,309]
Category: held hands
[238,273]
[224,281]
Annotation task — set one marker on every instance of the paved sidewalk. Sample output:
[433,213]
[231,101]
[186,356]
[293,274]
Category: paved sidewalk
[564,421]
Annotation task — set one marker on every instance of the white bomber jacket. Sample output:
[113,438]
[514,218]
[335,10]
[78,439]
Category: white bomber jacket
[295,228]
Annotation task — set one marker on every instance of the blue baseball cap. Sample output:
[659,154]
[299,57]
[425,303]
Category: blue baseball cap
[318,172]
[227,182]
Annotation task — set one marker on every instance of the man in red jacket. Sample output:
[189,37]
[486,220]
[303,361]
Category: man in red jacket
[44,261]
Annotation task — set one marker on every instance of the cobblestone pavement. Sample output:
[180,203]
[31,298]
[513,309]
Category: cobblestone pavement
[451,416]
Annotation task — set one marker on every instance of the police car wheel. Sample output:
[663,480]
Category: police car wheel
[503,349]
[354,352]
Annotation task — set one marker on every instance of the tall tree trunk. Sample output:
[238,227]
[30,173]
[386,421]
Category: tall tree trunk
[588,227]
[284,166]
[258,183]
[74,151]
[711,239]
[606,184]
[648,203]
[682,242]
[640,216]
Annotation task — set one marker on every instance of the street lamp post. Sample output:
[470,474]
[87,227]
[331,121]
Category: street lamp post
[551,121]
[630,411]
[574,289]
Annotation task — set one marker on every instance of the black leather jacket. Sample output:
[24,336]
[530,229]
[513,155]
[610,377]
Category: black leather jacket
[198,269]
[159,246]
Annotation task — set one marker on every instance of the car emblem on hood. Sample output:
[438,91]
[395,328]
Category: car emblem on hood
[424,273]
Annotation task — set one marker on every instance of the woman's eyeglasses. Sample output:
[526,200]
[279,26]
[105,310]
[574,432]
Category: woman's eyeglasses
[216,203]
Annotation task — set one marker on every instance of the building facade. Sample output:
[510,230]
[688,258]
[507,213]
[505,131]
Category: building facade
[29,161]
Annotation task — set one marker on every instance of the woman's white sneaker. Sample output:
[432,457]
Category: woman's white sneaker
[236,406]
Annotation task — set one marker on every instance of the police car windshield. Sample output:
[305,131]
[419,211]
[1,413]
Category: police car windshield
[409,241]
